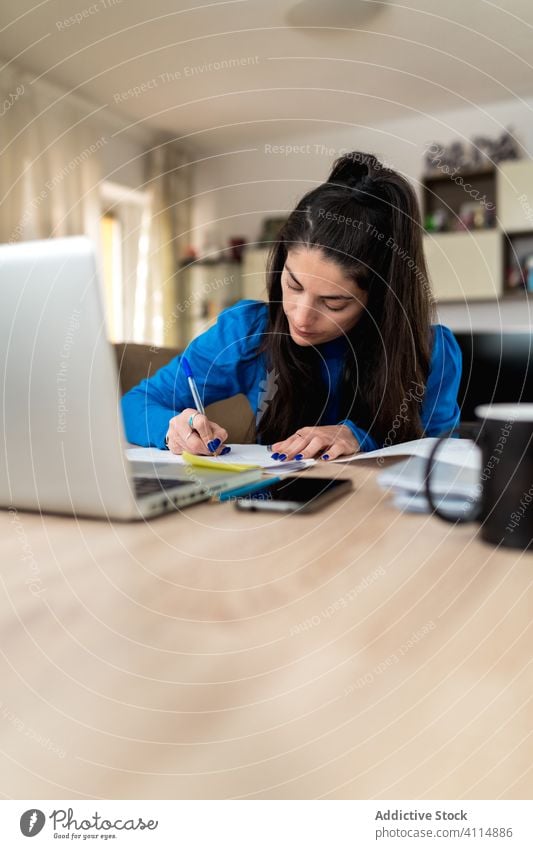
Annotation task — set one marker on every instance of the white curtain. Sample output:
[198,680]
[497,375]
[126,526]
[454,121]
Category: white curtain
[165,232]
[49,162]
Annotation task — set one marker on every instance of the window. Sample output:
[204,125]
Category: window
[111,232]
[122,226]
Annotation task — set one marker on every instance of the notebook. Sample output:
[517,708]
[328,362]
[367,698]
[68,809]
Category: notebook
[247,456]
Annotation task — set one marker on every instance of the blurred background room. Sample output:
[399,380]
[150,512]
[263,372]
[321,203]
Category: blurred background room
[178,135]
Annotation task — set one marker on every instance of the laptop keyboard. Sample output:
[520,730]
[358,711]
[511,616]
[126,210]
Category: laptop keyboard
[147,486]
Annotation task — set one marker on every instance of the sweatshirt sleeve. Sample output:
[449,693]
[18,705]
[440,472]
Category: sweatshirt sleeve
[440,410]
[365,440]
[220,360]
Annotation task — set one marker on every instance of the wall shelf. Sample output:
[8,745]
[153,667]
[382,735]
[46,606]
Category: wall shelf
[480,263]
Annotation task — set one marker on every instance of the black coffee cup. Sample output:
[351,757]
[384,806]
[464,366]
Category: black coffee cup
[504,503]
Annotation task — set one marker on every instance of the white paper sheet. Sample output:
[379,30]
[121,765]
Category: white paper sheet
[409,475]
[460,452]
[256,455]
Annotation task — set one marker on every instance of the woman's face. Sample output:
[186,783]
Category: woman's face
[320,302]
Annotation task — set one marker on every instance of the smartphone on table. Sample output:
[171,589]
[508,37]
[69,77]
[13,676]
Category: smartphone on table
[295,495]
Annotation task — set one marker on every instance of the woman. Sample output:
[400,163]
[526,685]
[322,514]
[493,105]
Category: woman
[343,356]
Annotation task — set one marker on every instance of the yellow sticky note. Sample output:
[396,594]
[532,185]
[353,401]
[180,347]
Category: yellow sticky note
[213,463]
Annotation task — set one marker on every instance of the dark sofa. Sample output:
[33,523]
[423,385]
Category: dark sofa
[497,369]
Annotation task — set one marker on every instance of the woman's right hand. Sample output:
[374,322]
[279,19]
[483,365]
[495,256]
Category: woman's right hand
[202,439]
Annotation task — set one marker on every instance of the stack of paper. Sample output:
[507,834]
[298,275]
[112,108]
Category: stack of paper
[454,480]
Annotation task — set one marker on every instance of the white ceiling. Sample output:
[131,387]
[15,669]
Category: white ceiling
[409,57]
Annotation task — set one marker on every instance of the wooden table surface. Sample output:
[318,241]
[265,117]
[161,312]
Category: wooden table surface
[355,653]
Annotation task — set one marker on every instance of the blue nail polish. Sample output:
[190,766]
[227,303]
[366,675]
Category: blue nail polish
[299,457]
[275,456]
[216,442]
[211,446]
[325,456]
[282,457]
[226,449]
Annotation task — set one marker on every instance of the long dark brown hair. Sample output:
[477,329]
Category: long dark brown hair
[366,219]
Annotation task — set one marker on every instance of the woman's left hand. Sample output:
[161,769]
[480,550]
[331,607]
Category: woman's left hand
[328,442]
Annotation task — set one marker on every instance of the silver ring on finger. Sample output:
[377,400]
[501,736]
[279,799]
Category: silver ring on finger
[191,420]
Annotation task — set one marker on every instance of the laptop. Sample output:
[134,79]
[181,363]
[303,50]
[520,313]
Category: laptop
[63,442]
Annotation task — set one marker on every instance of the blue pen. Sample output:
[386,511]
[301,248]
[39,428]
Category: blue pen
[192,385]
[196,396]
[246,489]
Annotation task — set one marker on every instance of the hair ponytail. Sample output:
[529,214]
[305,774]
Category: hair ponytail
[353,167]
